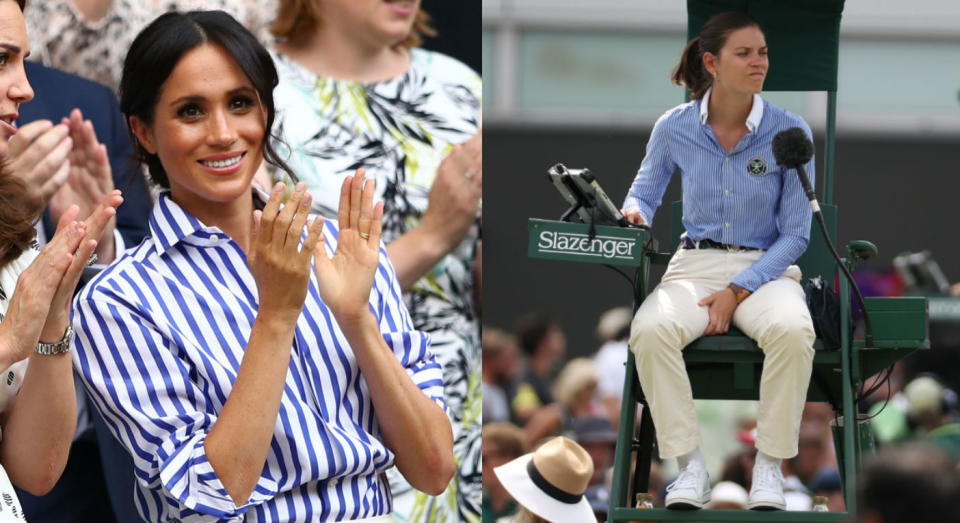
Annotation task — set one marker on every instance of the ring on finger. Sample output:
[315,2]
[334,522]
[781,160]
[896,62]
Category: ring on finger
[92,259]
[468,175]
[364,235]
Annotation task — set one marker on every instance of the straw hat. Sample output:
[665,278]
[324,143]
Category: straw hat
[551,481]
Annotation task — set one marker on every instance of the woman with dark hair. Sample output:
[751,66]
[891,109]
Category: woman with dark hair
[38,410]
[747,220]
[255,370]
[357,91]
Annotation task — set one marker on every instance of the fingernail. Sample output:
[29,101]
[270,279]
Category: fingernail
[278,187]
[300,187]
[306,200]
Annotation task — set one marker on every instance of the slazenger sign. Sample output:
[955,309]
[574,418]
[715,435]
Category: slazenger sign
[572,242]
[581,244]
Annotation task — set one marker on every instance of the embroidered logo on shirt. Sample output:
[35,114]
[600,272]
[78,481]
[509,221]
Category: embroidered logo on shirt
[757,166]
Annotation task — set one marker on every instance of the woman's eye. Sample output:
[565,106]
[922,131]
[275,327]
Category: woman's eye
[3,59]
[241,103]
[189,112]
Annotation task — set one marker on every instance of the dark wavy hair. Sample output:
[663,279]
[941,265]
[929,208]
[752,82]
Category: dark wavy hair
[158,49]
[16,218]
[690,72]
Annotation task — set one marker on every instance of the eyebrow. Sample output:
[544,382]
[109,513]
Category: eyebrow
[13,48]
[747,47]
[200,98]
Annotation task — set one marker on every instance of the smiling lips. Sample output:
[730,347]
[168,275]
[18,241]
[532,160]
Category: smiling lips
[7,122]
[227,163]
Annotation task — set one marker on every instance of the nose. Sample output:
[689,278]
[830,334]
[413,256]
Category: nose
[221,131]
[20,90]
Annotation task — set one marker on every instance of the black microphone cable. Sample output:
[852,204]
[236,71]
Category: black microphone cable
[792,149]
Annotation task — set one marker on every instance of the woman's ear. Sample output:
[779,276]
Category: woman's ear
[143,133]
[710,63]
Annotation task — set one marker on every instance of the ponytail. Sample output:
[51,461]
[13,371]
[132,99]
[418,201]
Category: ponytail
[689,71]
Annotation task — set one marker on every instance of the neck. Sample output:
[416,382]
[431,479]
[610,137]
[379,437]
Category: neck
[234,218]
[729,109]
[329,53]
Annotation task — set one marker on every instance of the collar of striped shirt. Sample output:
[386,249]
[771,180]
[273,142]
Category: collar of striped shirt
[160,337]
[753,119]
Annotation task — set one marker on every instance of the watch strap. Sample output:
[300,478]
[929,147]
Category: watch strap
[57,347]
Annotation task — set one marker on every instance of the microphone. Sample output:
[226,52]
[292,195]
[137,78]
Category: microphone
[792,149]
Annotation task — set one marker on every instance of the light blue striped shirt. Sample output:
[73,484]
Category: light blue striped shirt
[160,336]
[742,197]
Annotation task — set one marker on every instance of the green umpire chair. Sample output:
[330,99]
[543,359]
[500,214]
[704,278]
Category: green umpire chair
[803,37]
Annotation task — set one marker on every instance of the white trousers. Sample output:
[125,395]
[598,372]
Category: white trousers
[776,316]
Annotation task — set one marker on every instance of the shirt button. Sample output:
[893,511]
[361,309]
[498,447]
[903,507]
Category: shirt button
[214,237]
[726,159]
[726,224]
[726,191]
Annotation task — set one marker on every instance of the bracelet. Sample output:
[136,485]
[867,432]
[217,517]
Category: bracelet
[57,347]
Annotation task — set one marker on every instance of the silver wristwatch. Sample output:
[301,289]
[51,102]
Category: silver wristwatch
[57,347]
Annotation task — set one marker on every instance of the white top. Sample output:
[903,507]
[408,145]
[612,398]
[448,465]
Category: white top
[11,380]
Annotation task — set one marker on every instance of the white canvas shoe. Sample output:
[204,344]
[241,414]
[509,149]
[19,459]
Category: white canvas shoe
[766,490]
[691,489]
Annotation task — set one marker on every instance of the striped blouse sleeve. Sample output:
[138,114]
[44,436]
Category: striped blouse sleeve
[794,216]
[130,362]
[410,346]
[646,191]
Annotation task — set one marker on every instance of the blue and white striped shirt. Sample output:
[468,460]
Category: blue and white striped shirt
[160,336]
[742,197]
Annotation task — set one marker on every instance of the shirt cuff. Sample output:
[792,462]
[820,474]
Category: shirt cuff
[189,478]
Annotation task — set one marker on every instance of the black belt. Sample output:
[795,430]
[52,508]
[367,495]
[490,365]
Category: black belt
[689,243]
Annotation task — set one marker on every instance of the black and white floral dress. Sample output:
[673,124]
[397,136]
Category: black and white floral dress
[399,130]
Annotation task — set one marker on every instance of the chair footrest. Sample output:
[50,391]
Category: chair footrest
[661,514]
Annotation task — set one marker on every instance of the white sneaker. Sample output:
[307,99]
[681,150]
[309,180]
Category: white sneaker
[691,490]
[766,490]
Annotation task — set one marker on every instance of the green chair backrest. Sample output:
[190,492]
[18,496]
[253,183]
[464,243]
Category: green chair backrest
[815,261]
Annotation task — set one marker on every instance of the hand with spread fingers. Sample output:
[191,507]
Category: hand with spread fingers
[279,265]
[45,288]
[346,279]
[89,180]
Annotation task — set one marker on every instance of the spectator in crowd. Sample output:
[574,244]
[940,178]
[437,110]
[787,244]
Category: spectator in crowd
[597,437]
[727,495]
[613,330]
[549,483]
[502,442]
[827,483]
[60,96]
[356,90]
[544,345]
[500,363]
[911,483]
[90,37]
[930,409]
[284,373]
[37,398]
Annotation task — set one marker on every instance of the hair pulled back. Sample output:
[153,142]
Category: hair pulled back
[690,72]
[159,48]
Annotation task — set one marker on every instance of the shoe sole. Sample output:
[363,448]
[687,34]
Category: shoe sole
[766,507]
[687,504]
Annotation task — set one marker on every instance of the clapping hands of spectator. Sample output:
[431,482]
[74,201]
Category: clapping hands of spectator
[455,194]
[89,180]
